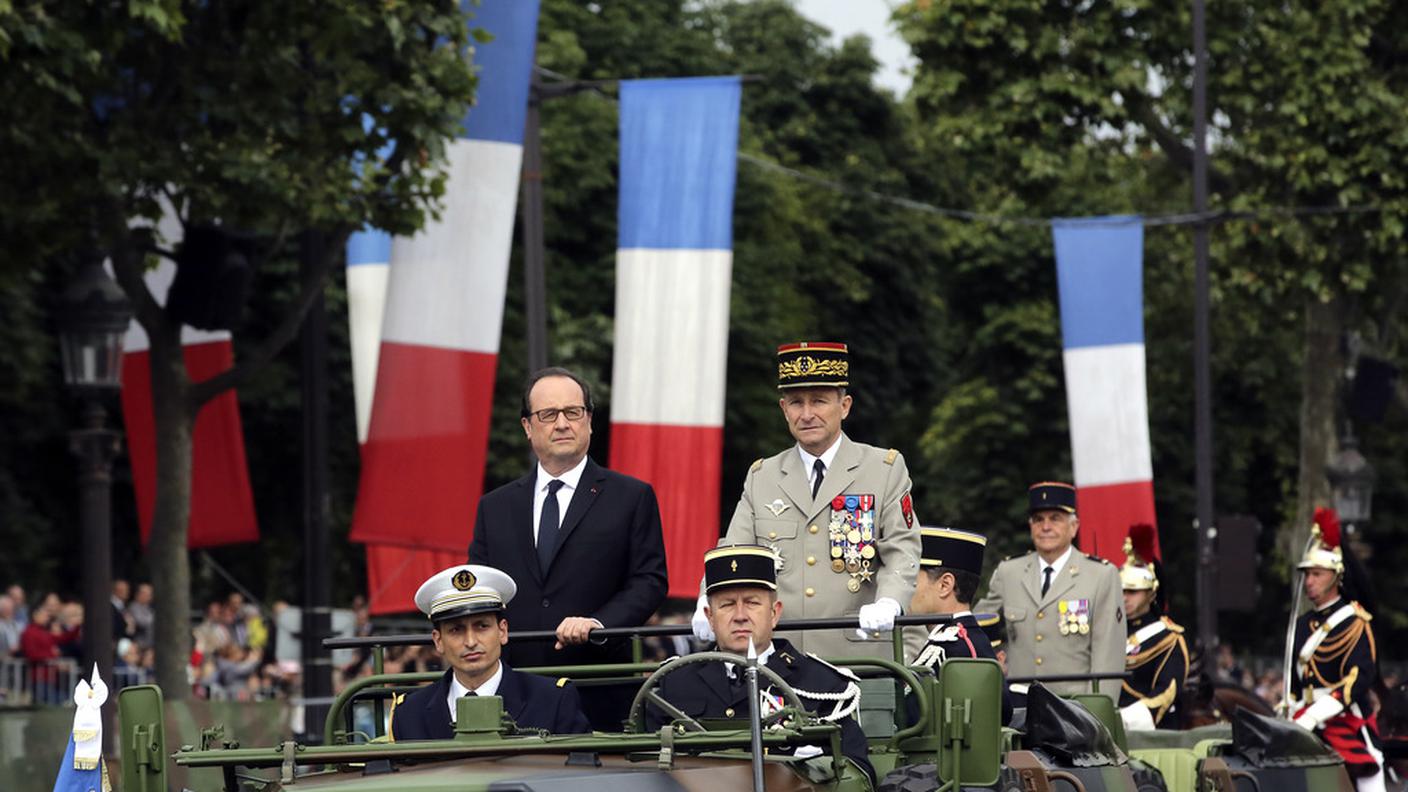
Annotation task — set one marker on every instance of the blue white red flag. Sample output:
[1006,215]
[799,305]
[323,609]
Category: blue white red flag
[674,263]
[1099,267]
[424,456]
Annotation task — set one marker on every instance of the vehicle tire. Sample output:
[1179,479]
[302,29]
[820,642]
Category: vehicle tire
[910,778]
[1146,777]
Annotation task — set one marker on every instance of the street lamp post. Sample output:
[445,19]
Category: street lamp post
[93,315]
[1351,482]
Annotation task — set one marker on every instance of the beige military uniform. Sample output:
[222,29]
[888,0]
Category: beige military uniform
[777,510]
[1076,628]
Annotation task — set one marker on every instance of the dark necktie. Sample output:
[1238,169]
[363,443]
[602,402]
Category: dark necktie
[1045,580]
[819,471]
[548,521]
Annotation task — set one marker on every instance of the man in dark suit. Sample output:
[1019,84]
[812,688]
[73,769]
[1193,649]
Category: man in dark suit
[583,543]
[466,605]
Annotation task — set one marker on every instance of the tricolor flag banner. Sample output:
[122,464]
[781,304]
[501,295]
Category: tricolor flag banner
[674,264]
[423,459]
[1099,267]
[222,504]
[368,265]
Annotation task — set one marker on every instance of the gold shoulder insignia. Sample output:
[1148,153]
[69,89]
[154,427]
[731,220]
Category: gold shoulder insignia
[757,465]
[786,657]
[1173,626]
[892,456]
[1361,613]
[561,681]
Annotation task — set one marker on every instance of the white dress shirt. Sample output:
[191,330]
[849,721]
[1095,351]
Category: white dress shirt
[569,480]
[827,457]
[1056,567]
[458,691]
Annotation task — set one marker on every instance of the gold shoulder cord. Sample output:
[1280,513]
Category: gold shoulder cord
[1339,649]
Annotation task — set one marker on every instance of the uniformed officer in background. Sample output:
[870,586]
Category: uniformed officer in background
[740,584]
[950,567]
[1334,660]
[1063,609]
[836,512]
[1156,653]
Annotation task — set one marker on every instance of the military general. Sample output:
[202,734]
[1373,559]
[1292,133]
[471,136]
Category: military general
[1064,610]
[836,512]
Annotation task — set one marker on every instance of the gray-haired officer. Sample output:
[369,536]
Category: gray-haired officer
[837,513]
[465,604]
[1064,610]
[740,582]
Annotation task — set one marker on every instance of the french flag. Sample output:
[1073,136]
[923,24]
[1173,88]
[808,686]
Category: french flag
[674,263]
[222,503]
[1099,269]
[424,455]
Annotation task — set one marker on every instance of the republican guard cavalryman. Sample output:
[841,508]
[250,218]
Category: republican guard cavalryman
[1156,654]
[838,513]
[1334,660]
[740,584]
[1062,608]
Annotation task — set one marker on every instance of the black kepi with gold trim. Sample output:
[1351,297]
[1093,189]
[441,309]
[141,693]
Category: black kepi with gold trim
[464,590]
[813,364]
[740,565]
[1051,495]
[950,548]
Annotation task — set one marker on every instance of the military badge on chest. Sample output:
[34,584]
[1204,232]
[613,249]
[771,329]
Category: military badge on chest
[1075,616]
[852,538]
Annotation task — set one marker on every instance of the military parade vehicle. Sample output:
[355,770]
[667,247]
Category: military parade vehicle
[948,737]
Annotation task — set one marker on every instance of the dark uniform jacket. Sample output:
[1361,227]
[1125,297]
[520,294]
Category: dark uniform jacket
[704,690]
[1343,665]
[963,637]
[609,563]
[1156,656]
[532,701]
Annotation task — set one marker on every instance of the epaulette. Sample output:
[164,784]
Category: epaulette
[562,681]
[845,672]
[892,456]
[757,465]
[1173,626]
[1361,613]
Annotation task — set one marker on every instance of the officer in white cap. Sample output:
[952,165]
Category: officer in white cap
[465,604]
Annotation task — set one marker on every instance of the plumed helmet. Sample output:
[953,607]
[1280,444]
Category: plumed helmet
[1137,573]
[1324,551]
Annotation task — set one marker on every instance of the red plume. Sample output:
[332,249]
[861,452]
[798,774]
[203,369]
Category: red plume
[1329,523]
[1143,538]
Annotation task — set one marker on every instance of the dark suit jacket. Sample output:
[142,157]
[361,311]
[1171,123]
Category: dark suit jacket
[609,563]
[532,701]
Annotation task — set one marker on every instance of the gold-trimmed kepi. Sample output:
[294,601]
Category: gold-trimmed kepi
[950,548]
[464,590]
[813,364]
[740,565]
[1051,495]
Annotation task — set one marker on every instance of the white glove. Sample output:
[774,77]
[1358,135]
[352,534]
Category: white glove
[1137,717]
[702,630]
[878,616]
[1319,712]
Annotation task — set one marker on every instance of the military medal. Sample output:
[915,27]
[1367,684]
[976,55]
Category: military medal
[851,534]
[853,585]
[837,565]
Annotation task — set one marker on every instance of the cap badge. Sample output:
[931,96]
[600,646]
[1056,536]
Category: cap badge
[464,580]
[733,565]
[777,507]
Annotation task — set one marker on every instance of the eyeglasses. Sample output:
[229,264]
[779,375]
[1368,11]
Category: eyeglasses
[550,414]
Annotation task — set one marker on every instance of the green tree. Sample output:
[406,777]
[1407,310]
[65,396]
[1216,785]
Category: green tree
[1073,108]
[262,117]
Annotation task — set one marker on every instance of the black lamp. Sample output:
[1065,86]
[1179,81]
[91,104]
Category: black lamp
[1351,481]
[93,318]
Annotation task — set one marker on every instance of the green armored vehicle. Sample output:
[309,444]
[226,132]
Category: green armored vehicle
[950,737]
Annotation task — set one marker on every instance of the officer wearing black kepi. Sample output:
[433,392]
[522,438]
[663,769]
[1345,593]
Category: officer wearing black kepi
[950,563]
[740,582]
[1156,653]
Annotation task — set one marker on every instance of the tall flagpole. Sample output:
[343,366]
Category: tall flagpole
[1202,376]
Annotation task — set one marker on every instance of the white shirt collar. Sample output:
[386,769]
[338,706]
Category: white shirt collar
[458,690]
[568,479]
[827,456]
[1058,564]
[762,659]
